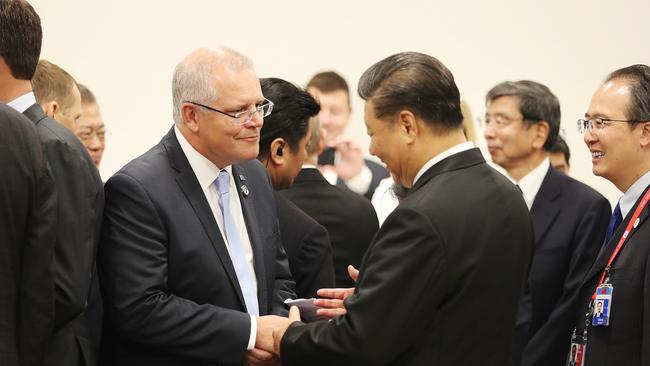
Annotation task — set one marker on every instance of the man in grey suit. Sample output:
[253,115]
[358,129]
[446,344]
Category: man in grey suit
[80,197]
[460,239]
[191,259]
[569,218]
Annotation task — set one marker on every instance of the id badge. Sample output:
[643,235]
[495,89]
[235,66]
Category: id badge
[577,351]
[602,305]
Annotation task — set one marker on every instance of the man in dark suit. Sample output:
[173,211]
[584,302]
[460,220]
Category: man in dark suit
[461,239]
[616,130]
[283,142]
[342,162]
[191,258]
[27,237]
[78,187]
[521,125]
[350,219]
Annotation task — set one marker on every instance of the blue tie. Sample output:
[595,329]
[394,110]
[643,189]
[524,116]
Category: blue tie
[614,221]
[237,254]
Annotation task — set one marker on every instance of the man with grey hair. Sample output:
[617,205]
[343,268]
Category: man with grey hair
[569,218]
[191,261]
[441,255]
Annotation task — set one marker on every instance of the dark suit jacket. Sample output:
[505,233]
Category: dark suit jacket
[80,202]
[378,173]
[569,220]
[27,237]
[308,249]
[626,341]
[460,241]
[350,219]
[170,290]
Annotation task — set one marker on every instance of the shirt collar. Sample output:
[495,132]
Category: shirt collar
[633,193]
[531,182]
[23,102]
[443,155]
[206,171]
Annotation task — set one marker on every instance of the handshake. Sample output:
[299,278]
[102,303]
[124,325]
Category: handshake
[271,328]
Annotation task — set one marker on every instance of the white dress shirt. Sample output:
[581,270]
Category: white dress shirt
[443,155]
[206,173]
[23,102]
[633,193]
[532,182]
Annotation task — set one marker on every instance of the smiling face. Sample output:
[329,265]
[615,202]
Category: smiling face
[385,142]
[615,149]
[220,138]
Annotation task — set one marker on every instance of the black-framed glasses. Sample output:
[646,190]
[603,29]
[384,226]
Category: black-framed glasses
[244,116]
[591,124]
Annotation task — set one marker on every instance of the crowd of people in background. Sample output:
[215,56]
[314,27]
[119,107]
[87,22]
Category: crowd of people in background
[257,233]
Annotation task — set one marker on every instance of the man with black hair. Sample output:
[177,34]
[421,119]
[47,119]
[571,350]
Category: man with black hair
[521,125]
[79,191]
[441,255]
[616,130]
[559,156]
[283,143]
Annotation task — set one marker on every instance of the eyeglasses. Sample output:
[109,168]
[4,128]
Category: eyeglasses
[498,120]
[592,124]
[244,116]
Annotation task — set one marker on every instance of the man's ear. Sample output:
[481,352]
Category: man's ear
[278,151]
[644,140]
[51,108]
[190,117]
[408,125]
[541,130]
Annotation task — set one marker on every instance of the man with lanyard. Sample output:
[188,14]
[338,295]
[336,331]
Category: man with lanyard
[617,131]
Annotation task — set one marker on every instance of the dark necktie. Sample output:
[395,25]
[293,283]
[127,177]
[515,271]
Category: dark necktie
[614,221]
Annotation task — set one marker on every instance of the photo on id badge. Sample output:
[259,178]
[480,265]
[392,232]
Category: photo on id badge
[602,306]
[576,357]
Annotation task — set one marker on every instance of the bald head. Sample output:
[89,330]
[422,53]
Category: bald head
[194,75]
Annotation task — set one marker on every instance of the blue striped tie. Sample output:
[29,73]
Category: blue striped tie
[237,254]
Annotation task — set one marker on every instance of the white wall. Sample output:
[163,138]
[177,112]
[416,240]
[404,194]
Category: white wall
[125,51]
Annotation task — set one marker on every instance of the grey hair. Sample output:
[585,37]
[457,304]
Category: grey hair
[536,103]
[192,80]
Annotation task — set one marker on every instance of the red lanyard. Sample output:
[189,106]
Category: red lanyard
[622,241]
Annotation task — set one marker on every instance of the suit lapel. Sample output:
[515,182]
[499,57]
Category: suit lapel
[461,160]
[254,234]
[186,180]
[546,206]
[608,249]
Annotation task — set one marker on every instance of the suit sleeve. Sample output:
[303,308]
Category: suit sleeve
[315,261]
[133,270]
[77,222]
[383,320]
[588,240]
[36,298]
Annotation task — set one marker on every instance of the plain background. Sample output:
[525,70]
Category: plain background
[125,51]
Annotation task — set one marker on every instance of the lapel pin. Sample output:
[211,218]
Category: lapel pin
[244,190]
[636,222]
[242,178]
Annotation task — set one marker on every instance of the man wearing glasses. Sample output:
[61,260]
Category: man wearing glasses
[191,258]
[569,218]
[616,130]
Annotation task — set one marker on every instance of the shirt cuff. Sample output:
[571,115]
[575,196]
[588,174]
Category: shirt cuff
[360,183]
[253,336]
